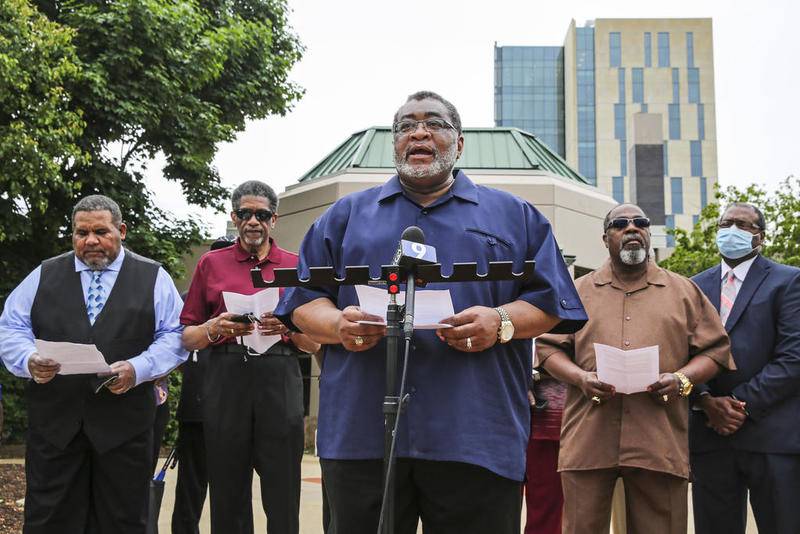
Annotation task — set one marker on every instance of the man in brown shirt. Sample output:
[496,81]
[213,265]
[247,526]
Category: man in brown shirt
[641,437]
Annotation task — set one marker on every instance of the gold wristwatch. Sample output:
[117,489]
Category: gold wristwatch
[506,329]
[686,385]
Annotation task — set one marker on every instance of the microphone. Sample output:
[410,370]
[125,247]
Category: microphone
[412,252]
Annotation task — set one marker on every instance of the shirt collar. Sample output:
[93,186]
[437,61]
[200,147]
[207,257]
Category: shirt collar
[740,271]
[273,256]
[655,276]
[113,266]
[462,188]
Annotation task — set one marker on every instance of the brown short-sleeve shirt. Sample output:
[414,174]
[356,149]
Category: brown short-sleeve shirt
[663,309]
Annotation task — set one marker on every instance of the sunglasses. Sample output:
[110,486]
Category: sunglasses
[244,214]
[622,223]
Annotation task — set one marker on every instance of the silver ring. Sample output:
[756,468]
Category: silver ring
[358,340]
[596,400]
[231,330]
[469,343]
[665,398]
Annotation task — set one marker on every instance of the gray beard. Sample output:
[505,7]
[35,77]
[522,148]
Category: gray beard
[633,257]
[442,162]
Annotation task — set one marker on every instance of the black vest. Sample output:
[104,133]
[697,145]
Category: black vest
[124,328]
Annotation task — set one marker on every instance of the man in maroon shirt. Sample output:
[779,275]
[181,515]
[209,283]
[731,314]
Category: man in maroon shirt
[252,404]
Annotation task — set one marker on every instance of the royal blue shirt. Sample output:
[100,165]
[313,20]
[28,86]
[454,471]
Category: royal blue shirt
[465,407]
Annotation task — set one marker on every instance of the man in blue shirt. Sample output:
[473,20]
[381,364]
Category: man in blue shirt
[89,455]
[463,433]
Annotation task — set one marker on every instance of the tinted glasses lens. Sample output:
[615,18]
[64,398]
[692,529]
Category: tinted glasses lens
[638,222]
[244,214]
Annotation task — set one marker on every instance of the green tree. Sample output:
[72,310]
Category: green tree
[696,250]
[91,91]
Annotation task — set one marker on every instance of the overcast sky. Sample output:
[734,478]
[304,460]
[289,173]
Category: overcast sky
[364,57]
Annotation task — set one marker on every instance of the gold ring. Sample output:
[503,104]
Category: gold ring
[469,343]
[596,400]
[358,340]
[665,398]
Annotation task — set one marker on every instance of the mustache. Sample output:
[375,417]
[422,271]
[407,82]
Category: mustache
[627,238]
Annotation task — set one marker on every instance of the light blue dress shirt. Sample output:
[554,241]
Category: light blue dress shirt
[163,355]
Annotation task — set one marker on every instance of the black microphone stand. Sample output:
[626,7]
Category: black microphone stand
[360,275]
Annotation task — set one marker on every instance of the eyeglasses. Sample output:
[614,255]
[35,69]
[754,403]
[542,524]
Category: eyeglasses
[741,224]
[433,126]
[244,214]
[623,222]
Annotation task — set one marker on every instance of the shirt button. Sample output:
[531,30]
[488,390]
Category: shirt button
[627,343]
[628,318]
[627,294]
[563,302]
[424,212]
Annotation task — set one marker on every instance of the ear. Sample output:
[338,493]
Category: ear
[460,144]
[273,221]
[605,239]
[123,230]
[233,217]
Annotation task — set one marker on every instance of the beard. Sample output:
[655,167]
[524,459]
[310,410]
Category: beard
[442,163]
[98,263]
[633,256]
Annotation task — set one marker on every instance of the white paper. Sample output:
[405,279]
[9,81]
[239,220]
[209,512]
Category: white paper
[430,306]
[75,358]
[629,371]
[264,301]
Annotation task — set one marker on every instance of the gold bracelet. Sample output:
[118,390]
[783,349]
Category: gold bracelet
[208,335]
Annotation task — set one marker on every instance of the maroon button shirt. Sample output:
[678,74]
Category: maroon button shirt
[228,269]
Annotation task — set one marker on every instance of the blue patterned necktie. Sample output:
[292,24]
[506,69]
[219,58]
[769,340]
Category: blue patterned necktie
[97,297]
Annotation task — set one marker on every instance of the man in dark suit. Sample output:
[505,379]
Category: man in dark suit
[745,424]
[88,457]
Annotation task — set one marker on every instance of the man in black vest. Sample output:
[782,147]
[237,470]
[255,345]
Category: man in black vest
[89,455]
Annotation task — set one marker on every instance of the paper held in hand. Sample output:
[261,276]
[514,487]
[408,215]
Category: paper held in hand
[629,371]
[75,358]
[264,301]
[430,306]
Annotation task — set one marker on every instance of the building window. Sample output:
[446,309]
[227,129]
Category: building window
[666,159]
[644,108]
[701,122]
[648,49]
[637,85]
[677,194]
[584,44]
[674,121]
[695,219]
[615,49]
[619,121]
[663,49]
[623,158]
[696,154]
[669,222]
[703,192]
[690,49]
[618,188]
[621,86]
[694,86]
[676,86]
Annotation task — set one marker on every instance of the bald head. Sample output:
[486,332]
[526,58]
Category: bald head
[617,211]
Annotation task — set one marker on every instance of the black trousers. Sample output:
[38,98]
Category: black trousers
[449,497]
[253,419]
[77,490]
[722,480]
[190,489]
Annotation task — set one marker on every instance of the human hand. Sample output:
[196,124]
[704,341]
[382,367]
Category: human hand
[42,369]
[221,325]
[725,414]
[667,388]
[126,377]
[474,329]
[593,388]
[357,337]
[271,326]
